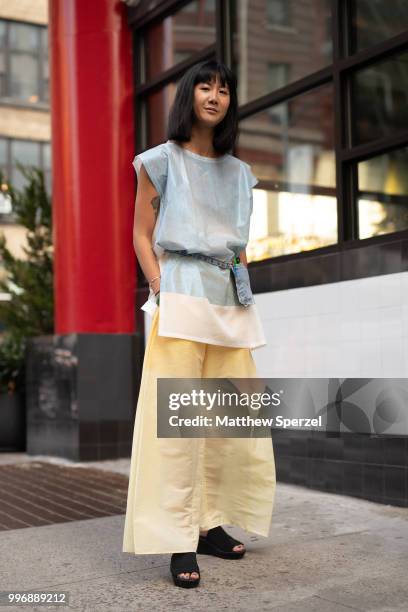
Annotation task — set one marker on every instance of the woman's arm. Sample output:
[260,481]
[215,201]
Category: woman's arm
[146,210]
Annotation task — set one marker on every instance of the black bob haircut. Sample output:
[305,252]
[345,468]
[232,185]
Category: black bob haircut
[182,116]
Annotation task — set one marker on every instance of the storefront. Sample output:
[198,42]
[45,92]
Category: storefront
[322,94]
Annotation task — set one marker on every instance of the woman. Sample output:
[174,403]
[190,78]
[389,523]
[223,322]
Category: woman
[192,213]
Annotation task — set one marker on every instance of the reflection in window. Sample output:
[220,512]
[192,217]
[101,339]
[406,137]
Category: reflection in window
[303,48]
[278,76]
[278,12]
[158,108]
[23,62]
[27,153]
[383,194]
[182,34]
[380,99]
[5,204]
[376,20]
[295,206]
[2,59]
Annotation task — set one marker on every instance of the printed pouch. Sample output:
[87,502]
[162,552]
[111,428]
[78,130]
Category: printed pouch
[242,284]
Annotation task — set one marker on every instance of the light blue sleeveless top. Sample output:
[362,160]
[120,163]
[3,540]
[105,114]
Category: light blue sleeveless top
[205,204]
[205,207]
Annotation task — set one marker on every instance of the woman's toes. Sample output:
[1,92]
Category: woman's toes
[238,548]
[188,576]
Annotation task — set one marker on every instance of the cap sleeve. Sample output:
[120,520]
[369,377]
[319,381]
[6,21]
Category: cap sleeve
[252,180]
[155,162]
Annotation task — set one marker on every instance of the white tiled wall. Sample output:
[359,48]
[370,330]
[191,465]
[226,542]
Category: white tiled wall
[356,328]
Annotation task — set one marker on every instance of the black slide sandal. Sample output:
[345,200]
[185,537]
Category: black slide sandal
[182,563]
[219,543]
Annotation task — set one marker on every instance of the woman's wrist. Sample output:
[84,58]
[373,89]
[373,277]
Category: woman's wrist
[154,284]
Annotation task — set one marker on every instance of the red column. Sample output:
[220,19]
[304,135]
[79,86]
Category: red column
[93,180]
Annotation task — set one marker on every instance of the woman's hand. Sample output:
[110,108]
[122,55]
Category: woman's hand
[155,286]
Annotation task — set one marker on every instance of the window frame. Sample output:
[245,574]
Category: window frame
[7,218]
[40,55]
[338,73]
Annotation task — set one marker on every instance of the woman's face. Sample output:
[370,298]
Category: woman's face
[209,97]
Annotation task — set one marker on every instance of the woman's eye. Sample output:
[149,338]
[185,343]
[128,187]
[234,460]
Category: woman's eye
[207,88]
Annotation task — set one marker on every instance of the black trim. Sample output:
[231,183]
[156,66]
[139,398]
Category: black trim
[339,262]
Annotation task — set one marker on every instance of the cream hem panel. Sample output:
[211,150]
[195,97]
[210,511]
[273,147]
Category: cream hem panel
[195,318]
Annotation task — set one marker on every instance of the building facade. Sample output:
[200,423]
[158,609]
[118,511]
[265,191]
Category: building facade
[322,102]
[25,122]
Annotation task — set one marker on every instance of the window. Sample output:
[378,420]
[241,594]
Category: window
[24,71]
[28,153]
[327,138]
[380,99]
[295,206]
[383,194]
[266,57]
[376,20]
[278,12]
[277,77]
[186,32]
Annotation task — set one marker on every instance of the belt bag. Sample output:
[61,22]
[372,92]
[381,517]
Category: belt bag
[239,271]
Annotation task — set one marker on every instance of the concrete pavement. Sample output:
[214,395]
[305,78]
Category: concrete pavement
[325,553]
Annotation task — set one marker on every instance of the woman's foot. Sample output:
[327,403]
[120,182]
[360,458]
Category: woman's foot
[237,548]
[184,569]
[219,543]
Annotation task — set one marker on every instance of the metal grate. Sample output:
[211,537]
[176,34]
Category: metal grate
[39,493]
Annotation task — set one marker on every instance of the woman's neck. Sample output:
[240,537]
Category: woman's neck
[201,142]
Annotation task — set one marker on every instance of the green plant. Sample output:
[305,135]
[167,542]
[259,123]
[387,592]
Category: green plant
[11,363]
[28,281]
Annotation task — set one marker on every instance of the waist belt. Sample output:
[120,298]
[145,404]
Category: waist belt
[240,272]
[212,260]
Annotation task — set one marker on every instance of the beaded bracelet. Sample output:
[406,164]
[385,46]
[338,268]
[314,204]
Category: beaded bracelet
[153,279]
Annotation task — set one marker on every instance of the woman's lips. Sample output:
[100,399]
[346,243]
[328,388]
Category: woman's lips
[211,110]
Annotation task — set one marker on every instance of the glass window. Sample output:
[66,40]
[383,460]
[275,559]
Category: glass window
[3,153]
[380,99]
[158,106]
[28,154]
[278,76]
[188,31]
[2,58]
[23,37]
[45,68]
[23,62]
[383,194]
[279,12]
[376,20]
[5,206]
[295,205]
[46,165]
[267,58]
[2,34]
[23,78]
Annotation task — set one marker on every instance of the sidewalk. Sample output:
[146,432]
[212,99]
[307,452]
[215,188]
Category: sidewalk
[326,553]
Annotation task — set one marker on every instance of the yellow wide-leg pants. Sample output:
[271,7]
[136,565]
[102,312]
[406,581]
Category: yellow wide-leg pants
[179,486]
